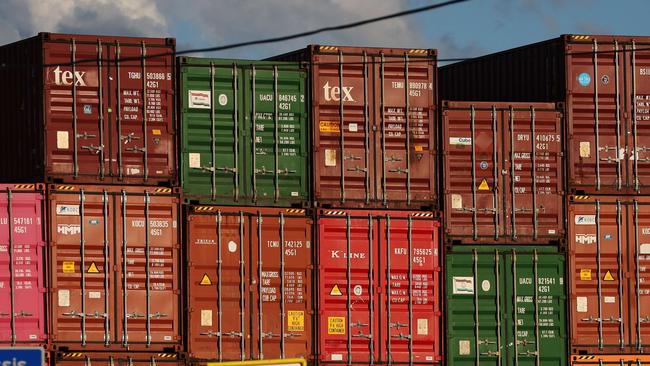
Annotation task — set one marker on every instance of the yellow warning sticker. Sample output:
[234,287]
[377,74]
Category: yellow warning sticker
[585,275]
[335,325]
[156,132]
[93,268]
[329,126]
[68,267]
[205,280]
[296,320]
[484,186]
[419,148]
[608,276]
[336,291]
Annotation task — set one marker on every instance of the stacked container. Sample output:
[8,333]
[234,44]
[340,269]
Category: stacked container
[603,83]
[88,122]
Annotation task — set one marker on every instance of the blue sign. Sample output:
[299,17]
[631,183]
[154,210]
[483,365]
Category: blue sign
[584,79]
[21,356]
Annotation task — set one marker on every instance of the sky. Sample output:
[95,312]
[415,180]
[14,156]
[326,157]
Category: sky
[464,30]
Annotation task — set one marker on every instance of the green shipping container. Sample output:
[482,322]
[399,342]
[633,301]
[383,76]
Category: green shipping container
[244,137]
[496,317]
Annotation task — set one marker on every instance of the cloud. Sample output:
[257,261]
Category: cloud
[448,47]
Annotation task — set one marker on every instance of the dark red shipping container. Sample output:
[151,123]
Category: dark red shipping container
[249,283]
[114,268]
[609,263]
[604,82]
[88,109]
[503,181]
[383,154]
[379,287]
[117,359]
[23,320]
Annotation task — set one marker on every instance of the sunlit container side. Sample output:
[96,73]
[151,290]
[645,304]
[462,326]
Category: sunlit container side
[114,268]
[506,306]
[117,359]
[23,319]
[249,283]
[374,126]
[88,109]
[604,81]
[379,287]
[504,173]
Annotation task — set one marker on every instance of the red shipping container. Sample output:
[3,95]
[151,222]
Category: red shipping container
[610,360]
[88,109]
[504,181]
[609,263]
[383,154]
[117,359]
[114,264]
[22,266]
[249,283]
[379,287]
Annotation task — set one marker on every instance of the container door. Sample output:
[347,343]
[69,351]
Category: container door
[473,164]
[147,294]
[276,151]
[281,281]
[348,288]
[82,260]
[596,127]
[218,324]
[22,268]
[533,191]
[405,119]
[344,140]
[535,312]
[475,309]
[212,126]
[410,327]
[638,71]
[639,273]
[77,111]
[600,297]
[142,129]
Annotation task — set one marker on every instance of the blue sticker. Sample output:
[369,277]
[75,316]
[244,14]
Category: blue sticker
[484,165]
[93,222]
[609,237]
[88,109]
[584,79]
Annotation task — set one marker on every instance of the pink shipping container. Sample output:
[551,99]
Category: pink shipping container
[22,261]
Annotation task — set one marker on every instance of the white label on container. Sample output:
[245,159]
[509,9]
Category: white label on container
[167,338]
[585,219]
[460,141]
[352,127]
[644,249]
[485,285]
[585,149]
[94,295]
[581,304]
[223,99]
[456,201]
[64,298]
[551,231]
[232,246]
[62,140]
[67,210]
[586,238]
[330,157]
[133,171]
[337,357]
[294,194]
[463,285]
[423,326]
[33,336]
[206,317]
[195,160]
[358,290]
[463,347]
[610,300]
[199,99]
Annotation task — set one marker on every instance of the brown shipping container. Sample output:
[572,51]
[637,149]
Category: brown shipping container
[609,268]
[605,83]
[117,359]
[88,109]
[114,268]
[503,181]
[610,360]
[384,154]
[249,283]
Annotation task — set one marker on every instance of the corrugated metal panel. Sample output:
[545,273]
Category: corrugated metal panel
[606,360]
[117,359]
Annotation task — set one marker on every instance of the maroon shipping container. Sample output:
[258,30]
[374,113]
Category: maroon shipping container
[503,181]
[117,359]
[605,83]
[114,268]
[249,283]
[379,287]
[88,109]
[22,266]
[609,262]
[384,152]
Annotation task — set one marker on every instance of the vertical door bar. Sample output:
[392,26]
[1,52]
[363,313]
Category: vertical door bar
[254,136]
[219,293]
[143,58]
[125,336]
[619,175]
[12,275]
[242,292]
[536,304]
[407,130]
[619,259]
[260,303]
[107,334]
[514,302]
[235,131]
[100,109]
[495,172]
[371,304]
[512,174]
[75,161]
[366,129]
[533,171]
[477,335]
[213,135]
[637,277]
[635,154]
[348,279]
[388,297]
[472,115]
[600,289]
[282,288]
[276,135]
[382,105]
[82,235]
[596,114]
[409,238]
[342,128]
[118,114]
[147,267]
[497,281]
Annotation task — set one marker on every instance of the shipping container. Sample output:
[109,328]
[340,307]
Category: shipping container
[244,127]
[88,109]
[604,82]
[604,360]
[506,306]
[117,359]
[23,319]
[114,268]
[609,262]
[379,287]
[249,283]
[503,180]
[374,126]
